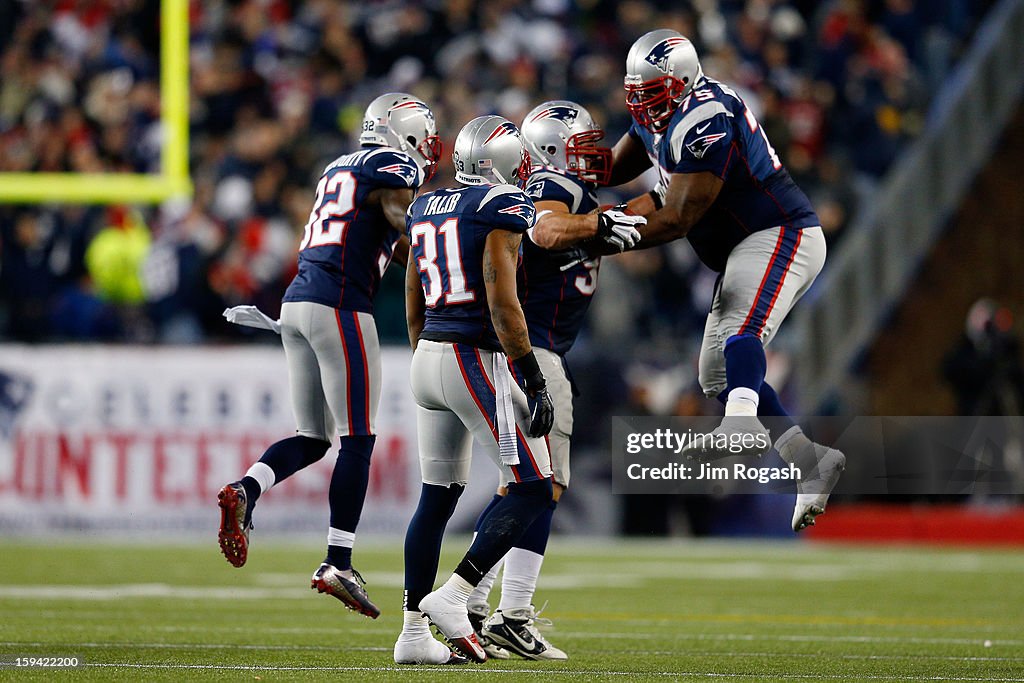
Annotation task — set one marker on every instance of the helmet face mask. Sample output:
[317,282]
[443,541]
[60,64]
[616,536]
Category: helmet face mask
[653,103]
[405,123]
[562,134]
[661,70]
[523,172]
[431,150]
[591,162]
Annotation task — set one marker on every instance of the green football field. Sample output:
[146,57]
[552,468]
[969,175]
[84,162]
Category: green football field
[652,610]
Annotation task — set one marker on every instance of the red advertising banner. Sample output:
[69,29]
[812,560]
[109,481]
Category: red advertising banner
[115,438]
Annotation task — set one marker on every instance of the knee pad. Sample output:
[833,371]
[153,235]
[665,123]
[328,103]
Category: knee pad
[360,447]
[310,449]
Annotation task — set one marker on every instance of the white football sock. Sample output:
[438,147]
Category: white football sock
[742,401]
[519,583]
[264,476]
[796,449]
[345,539]
[782,443]
[414,626]
[456,590]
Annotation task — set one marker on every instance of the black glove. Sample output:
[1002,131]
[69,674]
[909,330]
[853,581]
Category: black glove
[542,408]
[567,258]
[542,411]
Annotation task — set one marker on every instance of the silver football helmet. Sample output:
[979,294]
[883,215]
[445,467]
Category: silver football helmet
[404,122]
[563,134]
[661,68]
[490,149]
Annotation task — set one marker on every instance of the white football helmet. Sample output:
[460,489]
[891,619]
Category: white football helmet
[661,68]
[404,122]
[563,134]
[490,149]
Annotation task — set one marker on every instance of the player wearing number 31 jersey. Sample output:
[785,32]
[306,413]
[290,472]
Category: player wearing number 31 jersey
[469,334]
[355,228]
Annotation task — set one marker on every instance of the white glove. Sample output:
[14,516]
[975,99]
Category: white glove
[250,316]
[618,228]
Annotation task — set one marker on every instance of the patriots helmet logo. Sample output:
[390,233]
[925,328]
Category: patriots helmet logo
[658,56]
[404,171]
[560,112]
[699,147]
[506,128]
[416,106]
[524,211]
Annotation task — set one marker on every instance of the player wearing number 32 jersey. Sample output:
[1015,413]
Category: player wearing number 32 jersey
[355,228]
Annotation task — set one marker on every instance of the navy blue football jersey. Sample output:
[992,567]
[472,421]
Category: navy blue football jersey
[348,245]
[447,232]
[714,131]
[556,301]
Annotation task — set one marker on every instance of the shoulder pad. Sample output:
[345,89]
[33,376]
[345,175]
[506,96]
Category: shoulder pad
[512,210]
[546,185]
[495,191]
[699,121]
[394,168]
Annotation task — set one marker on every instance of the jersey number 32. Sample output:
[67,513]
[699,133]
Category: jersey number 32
[333,208]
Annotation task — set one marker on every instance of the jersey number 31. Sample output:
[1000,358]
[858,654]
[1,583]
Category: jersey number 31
[425,239]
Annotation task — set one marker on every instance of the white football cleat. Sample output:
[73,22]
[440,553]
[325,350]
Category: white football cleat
[737,435]
[425,650]
[514,630]
[452,622]
[813,491]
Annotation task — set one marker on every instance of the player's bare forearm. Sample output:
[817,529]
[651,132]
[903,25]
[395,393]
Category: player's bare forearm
[629,160]
[394,202]
[689,197]
[510,326]
[400,255]
[501,256]
[415,305]
[558,229]
[642,205]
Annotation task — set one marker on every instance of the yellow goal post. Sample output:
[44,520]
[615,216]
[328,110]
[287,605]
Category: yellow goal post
[130,188]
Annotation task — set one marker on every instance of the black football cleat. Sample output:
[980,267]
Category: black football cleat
[514,630]
[331,580]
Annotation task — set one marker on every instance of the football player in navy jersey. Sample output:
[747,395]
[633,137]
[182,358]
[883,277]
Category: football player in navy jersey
[568,165]
[356,227]
[469,336]
[725,189]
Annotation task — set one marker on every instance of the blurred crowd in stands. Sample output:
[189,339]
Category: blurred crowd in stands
[278,90]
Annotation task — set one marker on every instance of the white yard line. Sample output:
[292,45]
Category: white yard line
[667,653]
[552,672]
[797,638]
[122,591]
